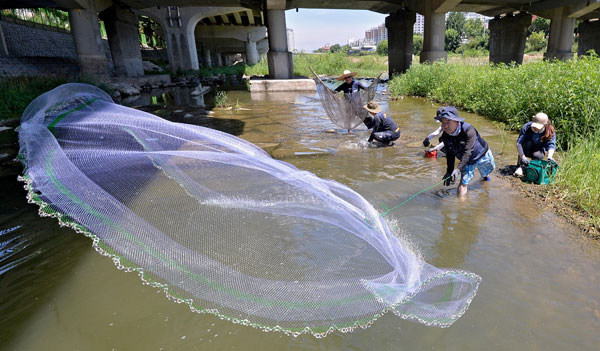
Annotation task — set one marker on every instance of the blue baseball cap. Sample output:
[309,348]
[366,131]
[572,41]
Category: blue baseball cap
[449,112]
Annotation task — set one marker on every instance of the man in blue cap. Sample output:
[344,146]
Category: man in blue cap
[462,140]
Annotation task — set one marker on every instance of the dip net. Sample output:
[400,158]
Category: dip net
[218,224]
[345,110]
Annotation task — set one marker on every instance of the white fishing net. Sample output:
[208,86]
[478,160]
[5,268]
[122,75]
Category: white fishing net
[345,110]
[220,225]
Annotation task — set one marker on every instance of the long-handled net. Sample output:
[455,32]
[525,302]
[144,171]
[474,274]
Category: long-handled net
[345,110]
[220,225]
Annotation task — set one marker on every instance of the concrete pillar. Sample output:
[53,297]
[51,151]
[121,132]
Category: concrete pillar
[124,40]
[434,37]
[399,25]
[3,47]
[278,57]
[251,53]
[206,57]
[589,37]
[85,30]
[507,38]
[218,60]
[560,40]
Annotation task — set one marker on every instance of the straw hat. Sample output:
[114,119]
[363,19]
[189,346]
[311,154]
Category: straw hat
[373,107]
[347,74]
[539,120]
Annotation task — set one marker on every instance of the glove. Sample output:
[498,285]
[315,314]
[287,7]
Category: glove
[450,178]
[426,142]
[524,160]
[550,159]
[431,149]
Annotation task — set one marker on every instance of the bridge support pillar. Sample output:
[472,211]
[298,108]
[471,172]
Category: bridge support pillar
[589,37]
[124,40]
[400,40]
[85,30]
[560,40]
[434,38]
[218,60]
[278,57]
[206,57]
[507,38]
[251,53]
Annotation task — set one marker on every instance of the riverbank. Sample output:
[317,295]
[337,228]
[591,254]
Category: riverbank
[569,92]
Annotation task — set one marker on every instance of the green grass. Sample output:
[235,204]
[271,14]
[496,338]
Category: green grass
[578,179]
[16,93]
[569,92]
[331,64]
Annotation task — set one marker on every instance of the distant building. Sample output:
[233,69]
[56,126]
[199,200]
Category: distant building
[419,26]
[291,41]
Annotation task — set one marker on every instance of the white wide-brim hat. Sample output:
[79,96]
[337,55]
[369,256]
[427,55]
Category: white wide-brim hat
[347,74]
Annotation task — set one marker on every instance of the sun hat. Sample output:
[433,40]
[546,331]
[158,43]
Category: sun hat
[539,120]
[448,112]
[372,107]
[347,74]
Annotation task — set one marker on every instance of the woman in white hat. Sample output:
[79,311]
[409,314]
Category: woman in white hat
[350,86]
[385,130]
[537,138]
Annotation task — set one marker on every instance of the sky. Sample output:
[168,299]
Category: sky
[314,28]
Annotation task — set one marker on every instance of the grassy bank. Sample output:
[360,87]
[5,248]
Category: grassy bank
[569,92]
[331,64]
[16,93]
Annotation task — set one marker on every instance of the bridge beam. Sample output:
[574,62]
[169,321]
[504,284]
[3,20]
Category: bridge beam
[124,40]
[85,30]
[507,38]
[560,40]
[399,25]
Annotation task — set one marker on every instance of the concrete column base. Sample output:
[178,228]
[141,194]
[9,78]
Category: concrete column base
[400,40]
[280,65]
[558,55]
[93,65]
[589,37]
[251,53]
[432,56]
[507,38]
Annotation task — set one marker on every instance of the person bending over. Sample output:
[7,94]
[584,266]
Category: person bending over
[462,140]
[385,130]
[537,138]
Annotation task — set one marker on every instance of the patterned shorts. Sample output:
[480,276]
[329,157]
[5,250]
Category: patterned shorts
[485,165]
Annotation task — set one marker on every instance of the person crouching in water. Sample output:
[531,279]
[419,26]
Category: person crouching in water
[384,128]
[535,140]
[462,140]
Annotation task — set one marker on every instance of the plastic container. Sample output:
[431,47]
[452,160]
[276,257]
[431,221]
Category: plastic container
[431,154]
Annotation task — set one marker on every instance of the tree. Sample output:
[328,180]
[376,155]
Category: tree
[539,24]
[452,39]
[417,44]
[536,42]
[382,47]
[335,48]
[456,21]
[474,28]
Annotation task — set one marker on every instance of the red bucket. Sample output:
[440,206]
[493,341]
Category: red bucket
[431,154]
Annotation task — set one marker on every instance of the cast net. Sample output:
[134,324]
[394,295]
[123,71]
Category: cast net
[220,225]
[345,110]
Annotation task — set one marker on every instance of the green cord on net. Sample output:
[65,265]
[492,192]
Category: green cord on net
[410,198]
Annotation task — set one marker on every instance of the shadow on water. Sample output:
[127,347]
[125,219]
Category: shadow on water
[34,259]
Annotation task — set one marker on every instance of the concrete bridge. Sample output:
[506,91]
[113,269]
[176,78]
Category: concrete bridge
[226,26]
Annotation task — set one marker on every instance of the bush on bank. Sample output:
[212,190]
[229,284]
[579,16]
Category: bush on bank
[17,92]
[569,92]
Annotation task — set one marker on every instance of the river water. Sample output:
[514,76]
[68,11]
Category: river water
[540,288]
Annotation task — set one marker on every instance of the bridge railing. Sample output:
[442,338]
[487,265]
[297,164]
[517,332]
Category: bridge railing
[44,18]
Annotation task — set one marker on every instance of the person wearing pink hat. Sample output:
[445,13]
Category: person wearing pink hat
[537,138]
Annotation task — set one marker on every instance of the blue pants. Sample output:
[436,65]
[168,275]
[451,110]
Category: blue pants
[386,137]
